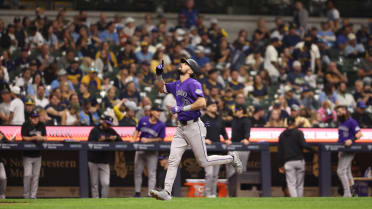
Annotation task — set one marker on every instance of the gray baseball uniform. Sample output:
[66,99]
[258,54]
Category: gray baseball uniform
[291,157]
[295,174]
[150,158]
[211,178]
[99,161]
[2,181]
[31,160]
[347,130]
[190,132]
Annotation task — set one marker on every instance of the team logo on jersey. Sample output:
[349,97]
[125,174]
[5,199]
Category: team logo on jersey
[198,91]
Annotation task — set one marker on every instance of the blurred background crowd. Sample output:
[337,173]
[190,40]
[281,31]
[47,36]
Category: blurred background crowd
[75,71]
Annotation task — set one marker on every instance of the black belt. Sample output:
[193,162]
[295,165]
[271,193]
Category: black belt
[187,122]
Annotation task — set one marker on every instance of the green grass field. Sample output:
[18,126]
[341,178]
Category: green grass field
[192,203]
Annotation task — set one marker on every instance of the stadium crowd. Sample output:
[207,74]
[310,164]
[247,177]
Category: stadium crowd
[75,71]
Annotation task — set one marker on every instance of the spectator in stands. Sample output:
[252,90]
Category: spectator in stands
[301,16]
[129,119]
[333,13]
[29,108]
[16,109]
[45,58]
[91,80]
[333,76]
[55,110]
[301,122]
[130,93]
[274,120]
[354,49]
[127,56]
[50,38]
[72,115]
[326,114]
[99,162]
[110,98]
[296,77]
[85,94]
[344,98]
[33,131]
[308,100]
[271,59]
[144,54]
[25,80]
[5,106]
[88,115]
[62,78]
[234,84]
[292,38]
[106,56]
[365,68]
[32,87]
[102,22]
[260,89]
[146,78]
[40,97]
[129,26]
[109,34]
[190,13]
[7,63]
[24,60]
[358,92]
[364,120]
[257,119]
[261,35]
[326,35]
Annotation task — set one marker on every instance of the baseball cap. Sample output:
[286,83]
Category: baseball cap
[192,63]
[93,70]
[34,114]
[129,20]
[108,119]
[29,101]
[351,36]
[295,107]
[62,72]
[144,43]
[296,63]
[361,105]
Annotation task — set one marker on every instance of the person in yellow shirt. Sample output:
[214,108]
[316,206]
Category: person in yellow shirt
[91,79]
[301,122]
[110,54]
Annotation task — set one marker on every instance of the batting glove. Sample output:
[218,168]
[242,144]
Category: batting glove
[160,68]
[176,109]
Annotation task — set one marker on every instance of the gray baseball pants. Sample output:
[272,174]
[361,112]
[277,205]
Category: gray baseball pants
[192,134]
[2,181]
[99,171]
[151,160]
[211,178]
[31,174]
[295,174]
[344,171]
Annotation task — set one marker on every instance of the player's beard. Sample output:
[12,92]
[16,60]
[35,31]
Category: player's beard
[341,118]
[180,72]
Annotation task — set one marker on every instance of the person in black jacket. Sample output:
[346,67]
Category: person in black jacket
[33,131]
[98,161]
[291,156]
[241,129]
[215,128]
[3,139]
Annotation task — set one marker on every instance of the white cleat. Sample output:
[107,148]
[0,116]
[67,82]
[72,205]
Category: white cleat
[236,162]
[160,195]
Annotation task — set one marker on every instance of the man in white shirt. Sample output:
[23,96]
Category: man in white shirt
[314,53]
[40,99]
[17,108]
[271,59]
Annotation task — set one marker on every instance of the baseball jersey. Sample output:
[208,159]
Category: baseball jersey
[151,130]
[186,93]
[347,130]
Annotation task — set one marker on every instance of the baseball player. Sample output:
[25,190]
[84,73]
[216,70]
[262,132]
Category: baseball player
[292,160]
[215,128]
[35,131]
[191,130]
[150,130]
[3,139]
[98,161]
[348,132]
